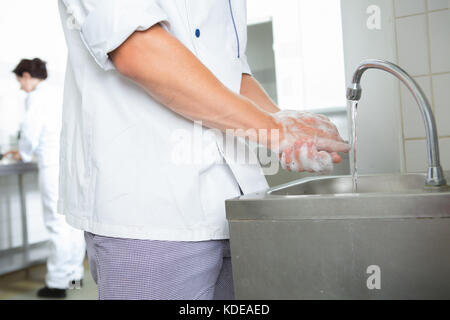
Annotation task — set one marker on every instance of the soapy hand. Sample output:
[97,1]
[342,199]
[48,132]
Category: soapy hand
[310,142]
[304,156]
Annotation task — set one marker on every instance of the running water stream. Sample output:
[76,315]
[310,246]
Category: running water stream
[354,111]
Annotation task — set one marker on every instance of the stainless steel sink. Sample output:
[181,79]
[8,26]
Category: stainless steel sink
[315,239]
[411,183]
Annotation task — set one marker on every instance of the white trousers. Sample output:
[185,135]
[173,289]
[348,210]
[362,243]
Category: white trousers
[67,245]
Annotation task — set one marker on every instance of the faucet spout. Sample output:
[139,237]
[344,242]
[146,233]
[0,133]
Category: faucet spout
[435,174]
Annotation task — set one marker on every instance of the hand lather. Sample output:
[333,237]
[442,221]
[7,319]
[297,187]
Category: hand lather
[310,143]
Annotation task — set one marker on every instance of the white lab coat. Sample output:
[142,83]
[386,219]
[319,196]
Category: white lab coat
[40,136]
[41,127]
[118,172]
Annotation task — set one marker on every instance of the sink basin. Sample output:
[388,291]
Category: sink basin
[315,239]
[343,184]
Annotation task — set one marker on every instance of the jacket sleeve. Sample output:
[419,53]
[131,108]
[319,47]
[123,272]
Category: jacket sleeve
[105,24]
[245,65]
[240,13]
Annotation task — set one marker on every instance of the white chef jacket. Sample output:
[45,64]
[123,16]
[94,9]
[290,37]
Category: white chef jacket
[41,127]
[118,177]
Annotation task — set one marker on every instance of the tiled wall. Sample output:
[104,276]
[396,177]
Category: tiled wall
[380,144]
[423,49]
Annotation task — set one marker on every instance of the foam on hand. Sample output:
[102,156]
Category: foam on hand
[298,150]
[306,157]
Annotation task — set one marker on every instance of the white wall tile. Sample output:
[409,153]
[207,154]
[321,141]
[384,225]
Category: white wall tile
[412,44]
[441,88]
[380,147]
[416,156]
[444,145]
[407,7]
[440,41]
[413,124]
[438,4]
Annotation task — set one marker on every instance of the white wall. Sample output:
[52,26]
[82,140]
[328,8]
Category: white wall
[308,51]
[379,128]
[28,29]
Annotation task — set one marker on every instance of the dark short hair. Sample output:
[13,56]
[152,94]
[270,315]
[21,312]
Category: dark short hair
[36,68]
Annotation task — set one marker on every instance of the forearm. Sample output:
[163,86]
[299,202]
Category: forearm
[171,74]
[251,89]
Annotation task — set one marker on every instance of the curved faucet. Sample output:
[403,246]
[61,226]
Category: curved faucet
[435,175]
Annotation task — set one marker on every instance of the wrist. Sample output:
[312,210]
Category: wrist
[275,134]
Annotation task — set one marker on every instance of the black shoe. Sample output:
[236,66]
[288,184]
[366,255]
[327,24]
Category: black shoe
[47,292]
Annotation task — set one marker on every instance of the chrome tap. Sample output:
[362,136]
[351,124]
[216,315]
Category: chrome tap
[435,175]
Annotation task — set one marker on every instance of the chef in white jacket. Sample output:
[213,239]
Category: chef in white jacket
[139,73]
[40,137]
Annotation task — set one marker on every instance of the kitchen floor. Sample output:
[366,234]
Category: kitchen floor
[23,285]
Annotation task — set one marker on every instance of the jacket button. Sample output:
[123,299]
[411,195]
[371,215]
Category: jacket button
[197,33]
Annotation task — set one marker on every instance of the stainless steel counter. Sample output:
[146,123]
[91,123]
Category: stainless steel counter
[316,239]
[18,258]
[17,168]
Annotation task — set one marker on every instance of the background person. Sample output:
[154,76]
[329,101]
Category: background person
[40,136]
